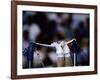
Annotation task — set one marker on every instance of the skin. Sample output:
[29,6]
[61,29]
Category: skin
[60,62]
[68,61]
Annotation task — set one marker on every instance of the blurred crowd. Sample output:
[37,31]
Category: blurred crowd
[48,27]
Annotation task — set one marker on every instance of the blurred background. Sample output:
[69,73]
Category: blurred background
[47,27]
